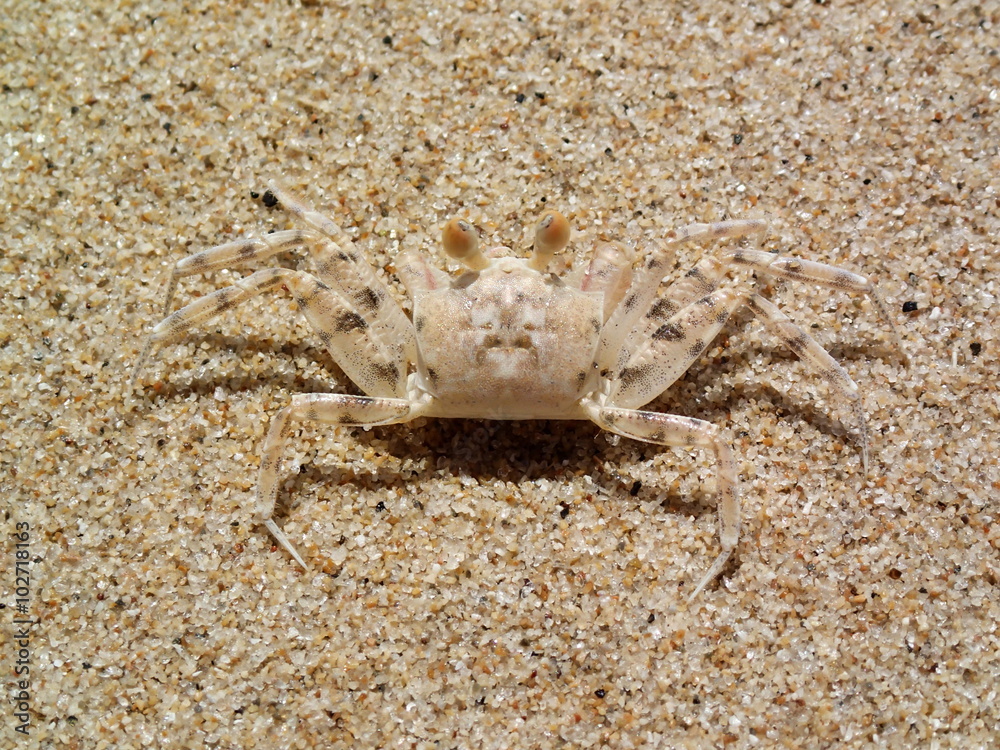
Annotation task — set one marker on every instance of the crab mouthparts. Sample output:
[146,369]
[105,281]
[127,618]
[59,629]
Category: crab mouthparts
[522,341]
[507,358]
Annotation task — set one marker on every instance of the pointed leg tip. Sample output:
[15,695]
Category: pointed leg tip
[283,540]
[713,572]
[697,591]
[130,398]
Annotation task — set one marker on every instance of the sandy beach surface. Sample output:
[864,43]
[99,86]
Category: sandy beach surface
[482,584]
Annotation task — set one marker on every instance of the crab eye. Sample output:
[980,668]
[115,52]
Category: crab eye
[551,236]
[461,242]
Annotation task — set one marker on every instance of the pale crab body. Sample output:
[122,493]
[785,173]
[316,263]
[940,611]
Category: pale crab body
[507,339]
[508,342]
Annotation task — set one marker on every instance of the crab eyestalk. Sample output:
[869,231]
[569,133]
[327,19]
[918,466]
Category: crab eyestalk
[461,242]
[551,236]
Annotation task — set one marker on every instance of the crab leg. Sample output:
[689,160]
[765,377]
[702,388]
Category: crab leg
[668,353]
[786,267]
[203,309]
[639,298]
[343,270]
[324,408]
[337,268]
[238,254]
[609,272]
[706,276]
[684,432]
[377,363]
[337,264]
[670,350]
[806,348]
[307,215]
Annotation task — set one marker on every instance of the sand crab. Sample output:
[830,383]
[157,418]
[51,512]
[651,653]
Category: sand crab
[508,340]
